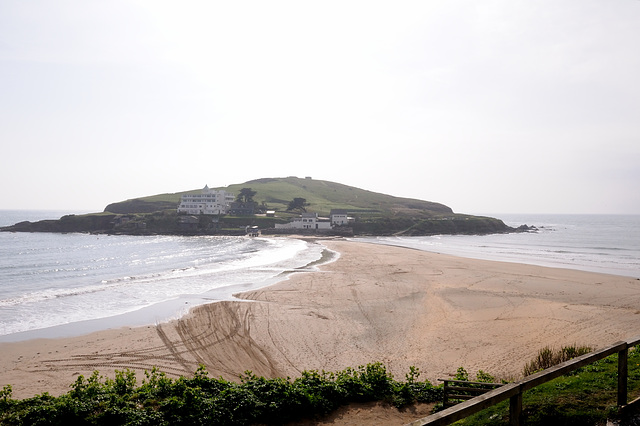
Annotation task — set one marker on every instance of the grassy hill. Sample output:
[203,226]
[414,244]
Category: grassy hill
[374,213]
[321,195]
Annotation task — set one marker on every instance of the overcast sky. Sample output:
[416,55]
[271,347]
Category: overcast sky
[498,106]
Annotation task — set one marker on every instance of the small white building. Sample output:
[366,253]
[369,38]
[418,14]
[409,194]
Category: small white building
[306,221]
[209,201]
[339,217]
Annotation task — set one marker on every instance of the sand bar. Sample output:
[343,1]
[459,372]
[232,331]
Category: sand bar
[400,306]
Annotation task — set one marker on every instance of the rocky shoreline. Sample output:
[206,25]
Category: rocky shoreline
[170,223]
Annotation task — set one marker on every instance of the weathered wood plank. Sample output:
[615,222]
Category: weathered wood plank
[467,408]
[622,376]
[515,410]
[468,389]
[467,382]
[634,342]
[462,396]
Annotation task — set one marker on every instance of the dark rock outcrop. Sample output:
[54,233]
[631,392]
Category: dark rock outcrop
[70,223]
[139,206]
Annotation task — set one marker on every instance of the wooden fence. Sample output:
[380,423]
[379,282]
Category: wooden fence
[513,391]
[456,390]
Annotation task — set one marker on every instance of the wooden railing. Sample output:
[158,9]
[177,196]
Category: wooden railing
[456,390]
[513,391]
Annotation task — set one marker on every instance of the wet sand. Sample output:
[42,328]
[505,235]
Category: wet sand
[400,306]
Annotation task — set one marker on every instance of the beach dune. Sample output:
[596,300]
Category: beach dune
[395,305]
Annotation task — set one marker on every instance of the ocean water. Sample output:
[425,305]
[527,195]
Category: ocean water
[65,284]
[597,243]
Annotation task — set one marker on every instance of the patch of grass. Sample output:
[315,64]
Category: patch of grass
[585,397]
[321,195]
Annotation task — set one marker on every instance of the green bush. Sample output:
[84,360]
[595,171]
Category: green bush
[548,357]
[201,400]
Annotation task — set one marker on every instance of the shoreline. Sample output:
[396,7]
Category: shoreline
[167,310]
[400,306]
[520,258]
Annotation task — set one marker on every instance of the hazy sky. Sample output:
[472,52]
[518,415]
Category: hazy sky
[501,106]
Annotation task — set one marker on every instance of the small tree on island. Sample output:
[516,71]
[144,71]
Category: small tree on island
[298,204]
[245,195]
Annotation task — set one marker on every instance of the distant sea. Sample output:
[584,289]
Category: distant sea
[597,243]
[55,285]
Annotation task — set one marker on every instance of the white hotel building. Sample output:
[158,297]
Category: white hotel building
[209,201]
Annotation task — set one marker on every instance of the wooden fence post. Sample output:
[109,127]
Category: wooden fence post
[445,394]
[622,376]
[515,409]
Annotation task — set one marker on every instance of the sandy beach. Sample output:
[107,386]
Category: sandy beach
[400,306]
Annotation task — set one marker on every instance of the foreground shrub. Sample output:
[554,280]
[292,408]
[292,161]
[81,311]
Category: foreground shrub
[201,400]
[548,357]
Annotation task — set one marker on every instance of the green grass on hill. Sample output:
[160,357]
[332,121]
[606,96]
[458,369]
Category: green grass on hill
[321,195]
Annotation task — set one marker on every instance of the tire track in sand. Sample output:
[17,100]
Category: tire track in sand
[219,337]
